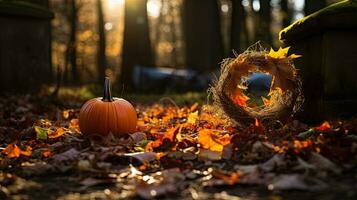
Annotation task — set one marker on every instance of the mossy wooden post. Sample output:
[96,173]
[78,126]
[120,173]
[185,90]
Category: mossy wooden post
[327,40]
[25,45]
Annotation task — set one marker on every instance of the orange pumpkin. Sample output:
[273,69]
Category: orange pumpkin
[107,115]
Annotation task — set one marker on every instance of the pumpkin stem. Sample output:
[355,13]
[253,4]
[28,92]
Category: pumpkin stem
[107,96]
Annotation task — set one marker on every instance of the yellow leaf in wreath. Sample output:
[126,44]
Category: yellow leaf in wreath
[279,65]
[281,53]
[266,101]
[293,56]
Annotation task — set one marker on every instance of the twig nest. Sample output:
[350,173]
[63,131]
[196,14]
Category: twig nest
[282,101]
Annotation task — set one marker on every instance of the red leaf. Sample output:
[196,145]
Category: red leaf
[324,126]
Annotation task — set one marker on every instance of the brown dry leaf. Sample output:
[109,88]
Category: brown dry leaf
[68,155]
[241,68]
[143,157]
[205,154]
[288,182]
[214,142]
[138,137]
[227,177]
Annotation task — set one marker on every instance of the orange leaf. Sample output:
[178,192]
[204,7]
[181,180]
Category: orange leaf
[257,123]
[66,113]
[227,178]
[55,134]
[240,99]
[324,126]
[153,145]
[47,153]
[209,140]
[12,151]
[171,134]
[27,152]
[166,140]
[74,124]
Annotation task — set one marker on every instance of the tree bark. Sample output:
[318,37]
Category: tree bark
[71,52]
[101,59]
[136,46]
[312,6]
[238,26]
[173,37]
[202,34]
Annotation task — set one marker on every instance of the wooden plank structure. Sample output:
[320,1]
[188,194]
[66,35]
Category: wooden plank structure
[327,40]
[25,45]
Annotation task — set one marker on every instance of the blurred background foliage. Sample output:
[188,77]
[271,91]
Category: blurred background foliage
[94,38]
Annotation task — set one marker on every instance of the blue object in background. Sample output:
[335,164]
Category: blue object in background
[259,83]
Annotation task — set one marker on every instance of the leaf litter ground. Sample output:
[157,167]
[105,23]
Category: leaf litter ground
[177,152]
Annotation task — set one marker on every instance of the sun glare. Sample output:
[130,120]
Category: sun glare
[153,7]
[115,3]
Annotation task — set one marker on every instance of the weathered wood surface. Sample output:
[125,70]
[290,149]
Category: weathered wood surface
[25,47]
[329,61]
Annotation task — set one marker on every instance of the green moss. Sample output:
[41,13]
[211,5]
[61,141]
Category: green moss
[22,8]
[338,15]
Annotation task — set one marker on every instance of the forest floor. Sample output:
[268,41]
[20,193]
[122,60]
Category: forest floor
[181,150]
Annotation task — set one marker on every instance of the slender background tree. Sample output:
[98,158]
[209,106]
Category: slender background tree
[101,58]
[136,46]
[238,26]
[71,52]
[202,34]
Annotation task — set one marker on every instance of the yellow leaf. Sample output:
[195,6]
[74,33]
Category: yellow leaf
[214,142]
[266,101]
[55,134]
[192,117]
[281,53]
[27,152]
[293,56]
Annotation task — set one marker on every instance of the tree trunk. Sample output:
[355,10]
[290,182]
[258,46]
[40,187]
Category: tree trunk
[101,59]
[238,26]
[173,36]
[313,6]
[202,34]
[71,52]
[263,32]
[136,46]
[286,12]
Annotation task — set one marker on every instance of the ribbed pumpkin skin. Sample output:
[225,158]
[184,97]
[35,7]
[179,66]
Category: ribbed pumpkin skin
[103,117]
